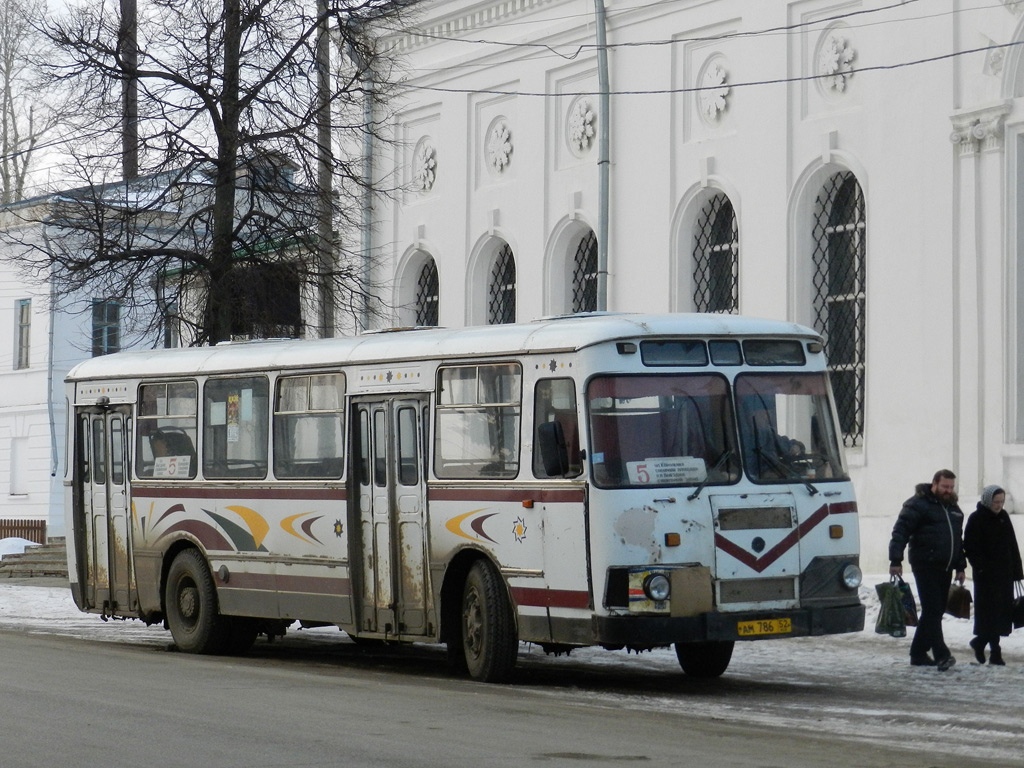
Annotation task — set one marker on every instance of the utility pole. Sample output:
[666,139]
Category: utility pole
[325,228]
[128,46]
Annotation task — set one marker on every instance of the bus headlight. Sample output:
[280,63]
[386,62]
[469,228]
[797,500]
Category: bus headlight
[657,587]
[851,576]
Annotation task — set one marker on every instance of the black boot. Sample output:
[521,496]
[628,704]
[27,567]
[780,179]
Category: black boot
[996,657]
[979,649]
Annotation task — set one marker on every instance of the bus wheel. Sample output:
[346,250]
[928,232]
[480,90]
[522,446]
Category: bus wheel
[489,639]
[709,659]
[191,601]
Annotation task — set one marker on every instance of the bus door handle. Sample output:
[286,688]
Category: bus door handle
[669,500]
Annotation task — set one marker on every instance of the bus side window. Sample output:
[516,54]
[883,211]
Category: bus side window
[309,430]
[554,404]
[235,426]
[477,421]
[165,436]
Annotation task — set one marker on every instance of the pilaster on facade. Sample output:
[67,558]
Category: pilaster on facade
[980,130]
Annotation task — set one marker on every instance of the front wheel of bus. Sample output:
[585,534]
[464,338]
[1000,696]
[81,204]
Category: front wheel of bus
[191,600]
[489,639]
[709,659]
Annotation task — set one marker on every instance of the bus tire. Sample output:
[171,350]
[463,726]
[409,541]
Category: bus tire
[191,606]
[707,659]
[488,630]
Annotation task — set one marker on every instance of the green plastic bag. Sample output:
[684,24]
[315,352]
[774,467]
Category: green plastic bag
[891,618]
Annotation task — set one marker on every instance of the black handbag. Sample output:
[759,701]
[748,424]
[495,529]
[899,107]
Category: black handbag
[958,603]
[1017,612]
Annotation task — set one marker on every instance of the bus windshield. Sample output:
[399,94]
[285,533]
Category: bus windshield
[787,428]
[661,431]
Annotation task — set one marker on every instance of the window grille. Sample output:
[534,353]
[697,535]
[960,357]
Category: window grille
[427,294]
[716,258]
[106,327]
[584,274]
[839,274]
[501,304]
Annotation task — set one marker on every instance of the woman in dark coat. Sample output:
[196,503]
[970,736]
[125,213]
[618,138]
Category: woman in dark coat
[991,548]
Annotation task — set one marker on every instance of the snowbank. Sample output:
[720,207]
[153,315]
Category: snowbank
[15,546]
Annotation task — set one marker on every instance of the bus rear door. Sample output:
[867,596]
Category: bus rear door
[102,517]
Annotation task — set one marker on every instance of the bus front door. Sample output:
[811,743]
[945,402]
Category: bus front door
[392,516]
[103,519]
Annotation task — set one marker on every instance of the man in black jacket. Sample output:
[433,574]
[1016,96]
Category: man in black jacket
[932,523]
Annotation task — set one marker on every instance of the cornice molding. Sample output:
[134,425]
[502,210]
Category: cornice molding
[480,17]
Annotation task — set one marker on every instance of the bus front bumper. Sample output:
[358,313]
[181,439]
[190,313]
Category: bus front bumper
[749,625]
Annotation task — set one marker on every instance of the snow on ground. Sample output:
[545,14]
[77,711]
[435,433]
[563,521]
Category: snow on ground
[857,686]
[14,546]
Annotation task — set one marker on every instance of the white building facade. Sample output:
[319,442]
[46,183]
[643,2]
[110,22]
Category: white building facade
[39,343]
[857,167]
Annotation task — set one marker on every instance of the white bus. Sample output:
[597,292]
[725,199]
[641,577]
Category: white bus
[626,481]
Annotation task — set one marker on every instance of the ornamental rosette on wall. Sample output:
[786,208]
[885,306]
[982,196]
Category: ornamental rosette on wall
[425,165]
[835,63]
[712,98]
[499,146]
[581,126]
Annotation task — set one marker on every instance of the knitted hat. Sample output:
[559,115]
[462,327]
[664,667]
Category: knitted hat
[987,494]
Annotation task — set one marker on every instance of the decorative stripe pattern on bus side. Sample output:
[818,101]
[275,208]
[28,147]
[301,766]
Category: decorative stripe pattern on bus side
[550,598]
[760,563]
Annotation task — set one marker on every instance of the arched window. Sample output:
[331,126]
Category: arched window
[584,274]
[716,258]
[838,288]
[427,290]
[501,291]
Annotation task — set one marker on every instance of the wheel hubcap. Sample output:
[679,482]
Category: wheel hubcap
[473,623]
[188,603]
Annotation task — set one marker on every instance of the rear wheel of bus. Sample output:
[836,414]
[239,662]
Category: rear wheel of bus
[191,604]
[708,659]
[488,631]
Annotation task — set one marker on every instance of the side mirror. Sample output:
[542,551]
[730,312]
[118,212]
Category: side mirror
[553,452]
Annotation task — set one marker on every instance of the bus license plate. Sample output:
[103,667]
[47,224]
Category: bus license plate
[764,627]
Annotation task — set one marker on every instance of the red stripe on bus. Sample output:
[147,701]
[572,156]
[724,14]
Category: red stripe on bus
[239,493]
[759,564]
[546,495]
[550,598]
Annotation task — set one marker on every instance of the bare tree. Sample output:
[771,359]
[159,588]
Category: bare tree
[25,116]
[224,226]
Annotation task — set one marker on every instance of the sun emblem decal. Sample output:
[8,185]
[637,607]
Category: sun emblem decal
[338,529]
[519,530]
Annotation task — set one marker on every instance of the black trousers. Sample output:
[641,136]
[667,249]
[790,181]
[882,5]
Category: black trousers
[932,592]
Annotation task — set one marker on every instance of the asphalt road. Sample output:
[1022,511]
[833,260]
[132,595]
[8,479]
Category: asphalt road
[65,701]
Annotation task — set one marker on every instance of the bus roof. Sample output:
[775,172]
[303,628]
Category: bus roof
[553,334]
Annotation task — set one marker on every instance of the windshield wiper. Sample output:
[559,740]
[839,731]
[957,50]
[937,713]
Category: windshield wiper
[788,471]
[726,455]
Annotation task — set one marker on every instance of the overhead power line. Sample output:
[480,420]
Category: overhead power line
[742,84]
